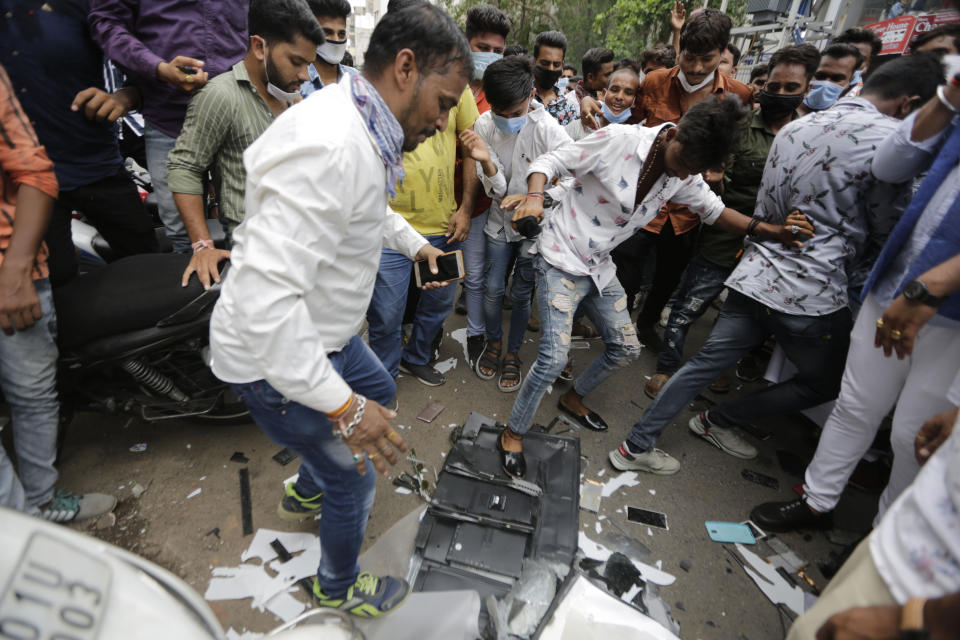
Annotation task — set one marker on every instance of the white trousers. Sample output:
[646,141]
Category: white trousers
[872,384]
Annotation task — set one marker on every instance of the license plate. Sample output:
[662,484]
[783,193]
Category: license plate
[56,593]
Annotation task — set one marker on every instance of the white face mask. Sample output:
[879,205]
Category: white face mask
[283,96]
[690,88]
[332,52]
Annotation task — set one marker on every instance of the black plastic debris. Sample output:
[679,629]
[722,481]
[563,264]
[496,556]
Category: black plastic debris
[483,527]
[239,457]
[284,456]
[621,574]
[246,506]
[685,565]
[679,606]
[761,479]
[281,550]
[213,532]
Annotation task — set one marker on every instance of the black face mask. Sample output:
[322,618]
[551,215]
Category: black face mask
[774,106]
[544,78]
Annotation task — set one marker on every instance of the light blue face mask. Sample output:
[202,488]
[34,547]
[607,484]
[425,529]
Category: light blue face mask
[509,126]
[482,60]
[615,118]
[823,94]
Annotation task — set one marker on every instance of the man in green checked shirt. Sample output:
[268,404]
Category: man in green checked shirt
[230,112]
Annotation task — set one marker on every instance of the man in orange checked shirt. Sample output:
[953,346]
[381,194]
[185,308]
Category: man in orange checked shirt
[28,349]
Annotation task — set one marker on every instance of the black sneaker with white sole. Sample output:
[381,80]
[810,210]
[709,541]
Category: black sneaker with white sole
[424,373]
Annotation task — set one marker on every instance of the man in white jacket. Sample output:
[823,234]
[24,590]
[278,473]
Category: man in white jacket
[284,332]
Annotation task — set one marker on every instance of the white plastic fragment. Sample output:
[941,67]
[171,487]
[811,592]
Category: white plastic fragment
[194,493]
[446,365]
[625,479]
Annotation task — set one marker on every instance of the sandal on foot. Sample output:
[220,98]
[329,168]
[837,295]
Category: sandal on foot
[489,359]
[510,373]
[567,374]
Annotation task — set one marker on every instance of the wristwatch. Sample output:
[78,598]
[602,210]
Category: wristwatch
[911,618]
[918,292]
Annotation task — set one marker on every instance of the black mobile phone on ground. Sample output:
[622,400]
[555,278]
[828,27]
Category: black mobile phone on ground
[449,266]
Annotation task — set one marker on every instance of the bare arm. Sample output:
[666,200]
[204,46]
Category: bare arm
[19,304]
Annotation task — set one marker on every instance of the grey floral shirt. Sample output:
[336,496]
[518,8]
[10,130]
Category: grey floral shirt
[820,165]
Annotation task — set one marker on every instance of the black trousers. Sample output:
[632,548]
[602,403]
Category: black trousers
[673,254]
[114,207]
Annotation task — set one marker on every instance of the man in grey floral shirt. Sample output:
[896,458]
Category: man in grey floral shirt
[819,165]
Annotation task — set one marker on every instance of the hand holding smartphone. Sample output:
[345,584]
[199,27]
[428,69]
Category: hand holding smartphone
[449,268]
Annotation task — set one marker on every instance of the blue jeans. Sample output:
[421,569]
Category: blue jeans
[158,145]
[28,377]
[702,282]
[817,345]
[326,464]
[499,253]
[559,294]
[385,313]
[474,264]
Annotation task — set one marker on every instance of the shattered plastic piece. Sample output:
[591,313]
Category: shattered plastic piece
[245,635]
[239,457]
[625,479]
[590,495]
[460,335]
[282,552]
[761,479]
[598,527]
[260,545]
[587,612]
[403,491]
[139,447]
[621,575]
[649,573]
[285,607]
[284,456]
[194,493]
[534,591]
[771,583]
[214,532]
[446,365]
[137,490]
[685,565]
[246,505]
[653,492]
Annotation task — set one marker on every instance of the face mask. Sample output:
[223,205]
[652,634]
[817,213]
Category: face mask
[774,106]
[615,118]
[482,60]
[822,95]
[332,52]
[690,88]
[274,90]
[545,78]
[509,126]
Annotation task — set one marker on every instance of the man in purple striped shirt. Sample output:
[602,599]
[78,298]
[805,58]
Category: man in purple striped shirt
[169,49]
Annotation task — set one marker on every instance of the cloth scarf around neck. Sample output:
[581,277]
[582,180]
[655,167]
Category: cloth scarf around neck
[384,127]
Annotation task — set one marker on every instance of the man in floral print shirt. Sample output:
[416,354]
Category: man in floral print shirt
[819,165]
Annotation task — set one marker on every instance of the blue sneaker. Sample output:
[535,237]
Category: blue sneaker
[293,506]
[368,597]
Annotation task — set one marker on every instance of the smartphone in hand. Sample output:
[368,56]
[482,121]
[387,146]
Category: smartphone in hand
[449,266]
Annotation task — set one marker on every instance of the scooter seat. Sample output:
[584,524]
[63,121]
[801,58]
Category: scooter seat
[125,296]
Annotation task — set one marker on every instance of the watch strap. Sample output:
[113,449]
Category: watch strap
[925,297]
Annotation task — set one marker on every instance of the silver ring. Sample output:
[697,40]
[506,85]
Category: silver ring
[794,229]
[357,457]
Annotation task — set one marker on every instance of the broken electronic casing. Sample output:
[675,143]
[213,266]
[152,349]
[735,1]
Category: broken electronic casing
[481,526]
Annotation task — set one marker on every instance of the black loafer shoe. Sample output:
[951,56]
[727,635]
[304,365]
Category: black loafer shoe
[590,421]
[781,517]
[512,462]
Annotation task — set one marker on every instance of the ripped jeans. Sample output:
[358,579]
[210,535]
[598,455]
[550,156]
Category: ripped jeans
[558,296]
[702,282]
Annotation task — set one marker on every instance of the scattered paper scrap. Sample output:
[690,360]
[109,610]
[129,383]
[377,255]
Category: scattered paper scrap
[446,365]
[625,479]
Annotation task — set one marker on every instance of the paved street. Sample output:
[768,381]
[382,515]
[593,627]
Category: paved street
[714,599]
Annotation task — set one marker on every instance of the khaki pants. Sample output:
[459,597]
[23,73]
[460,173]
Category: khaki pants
[857,584]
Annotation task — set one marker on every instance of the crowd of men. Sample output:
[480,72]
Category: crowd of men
[821,198]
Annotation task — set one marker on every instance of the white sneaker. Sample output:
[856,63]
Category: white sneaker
[727,440]
[654,461]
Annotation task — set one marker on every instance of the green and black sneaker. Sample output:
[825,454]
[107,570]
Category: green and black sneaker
[295,507]
[368,597]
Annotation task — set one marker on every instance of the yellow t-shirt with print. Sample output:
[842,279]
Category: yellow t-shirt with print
[426,198]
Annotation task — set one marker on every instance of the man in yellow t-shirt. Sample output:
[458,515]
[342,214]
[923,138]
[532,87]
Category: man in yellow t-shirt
[426,199]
